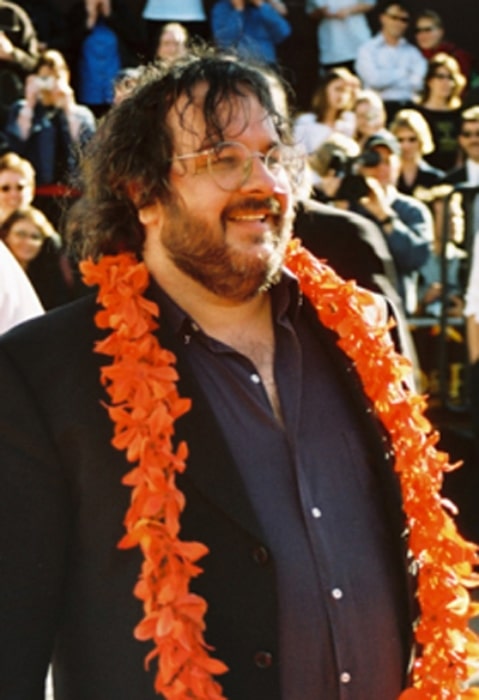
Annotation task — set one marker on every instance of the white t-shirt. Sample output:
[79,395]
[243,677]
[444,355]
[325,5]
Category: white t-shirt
[177,10]
[311,133]
[18,300]
[340,39]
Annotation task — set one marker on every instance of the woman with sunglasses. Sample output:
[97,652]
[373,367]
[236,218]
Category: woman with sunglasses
[17,184]
[430,40]
[421,180]
[440,103]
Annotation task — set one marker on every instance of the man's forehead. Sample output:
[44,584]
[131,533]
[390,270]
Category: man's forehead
[232,115]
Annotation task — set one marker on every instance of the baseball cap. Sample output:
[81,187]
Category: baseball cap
[383,138]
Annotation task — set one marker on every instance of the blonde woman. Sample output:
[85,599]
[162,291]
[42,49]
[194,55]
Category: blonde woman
[440,104]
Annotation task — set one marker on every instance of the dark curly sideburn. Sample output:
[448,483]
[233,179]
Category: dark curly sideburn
[133,146]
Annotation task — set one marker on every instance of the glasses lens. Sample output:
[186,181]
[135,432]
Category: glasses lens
[470,134]
[229,165]
[422,30]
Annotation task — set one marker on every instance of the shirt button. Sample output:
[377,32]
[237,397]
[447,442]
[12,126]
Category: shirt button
[345,677]
[195,327]
[263,659]
[255,378]
[337,593]
[315,512]
[261,555]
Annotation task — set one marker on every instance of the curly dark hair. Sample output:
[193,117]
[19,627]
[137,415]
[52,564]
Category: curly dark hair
[126,165]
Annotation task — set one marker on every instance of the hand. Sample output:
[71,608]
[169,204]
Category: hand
[6,47]
[376,201]
[238,5]
[63,95]
[31,90]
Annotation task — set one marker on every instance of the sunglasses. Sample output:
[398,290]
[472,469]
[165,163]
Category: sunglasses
[408,139]
[398,18]
[422,30]
[7,188]
[470,134]
[443,76]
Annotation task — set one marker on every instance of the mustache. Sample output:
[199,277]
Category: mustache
[267,205]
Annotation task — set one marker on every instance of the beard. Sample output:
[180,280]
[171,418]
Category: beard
[203,252]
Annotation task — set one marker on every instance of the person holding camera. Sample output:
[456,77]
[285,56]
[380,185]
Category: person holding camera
[49,128]
[365,182]
[406,223]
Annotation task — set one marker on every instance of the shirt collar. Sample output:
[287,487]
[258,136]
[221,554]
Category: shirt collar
[286,300]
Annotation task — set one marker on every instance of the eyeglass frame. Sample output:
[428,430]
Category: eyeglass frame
[423,30]
[248,161]
[398,18]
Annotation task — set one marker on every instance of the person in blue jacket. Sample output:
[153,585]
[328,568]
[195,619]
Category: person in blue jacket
[251,27]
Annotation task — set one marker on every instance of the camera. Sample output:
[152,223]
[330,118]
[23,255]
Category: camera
[353,185]
[47,82]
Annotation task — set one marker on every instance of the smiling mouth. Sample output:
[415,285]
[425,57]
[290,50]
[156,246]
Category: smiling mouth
[250,217]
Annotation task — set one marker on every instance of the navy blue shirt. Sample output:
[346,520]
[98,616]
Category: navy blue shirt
[317,498]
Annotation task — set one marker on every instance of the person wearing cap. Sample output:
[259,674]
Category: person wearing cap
[405,222]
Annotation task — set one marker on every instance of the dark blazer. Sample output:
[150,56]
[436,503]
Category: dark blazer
[353,245]
[64,585]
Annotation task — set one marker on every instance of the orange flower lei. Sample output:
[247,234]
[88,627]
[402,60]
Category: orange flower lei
[141,383]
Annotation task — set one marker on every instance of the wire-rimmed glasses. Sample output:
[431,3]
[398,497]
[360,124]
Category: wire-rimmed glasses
[230,163]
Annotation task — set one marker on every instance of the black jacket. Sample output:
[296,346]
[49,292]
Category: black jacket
[64,583]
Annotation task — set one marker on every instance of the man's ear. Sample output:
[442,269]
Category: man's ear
[151,215]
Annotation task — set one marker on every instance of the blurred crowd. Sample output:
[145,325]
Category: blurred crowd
[384,103]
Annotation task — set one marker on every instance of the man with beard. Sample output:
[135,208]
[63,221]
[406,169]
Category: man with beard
[289,482]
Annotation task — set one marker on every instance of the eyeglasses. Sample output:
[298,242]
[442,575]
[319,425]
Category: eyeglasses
[424,30]
[407,139]
[470,134]
[443,76]
[230,163]
[7,188]
[399,18]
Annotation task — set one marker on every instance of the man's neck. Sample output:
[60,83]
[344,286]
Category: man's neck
[219,317]
[391,40]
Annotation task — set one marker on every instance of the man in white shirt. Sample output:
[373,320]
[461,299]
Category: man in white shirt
[389,64]
[342,29]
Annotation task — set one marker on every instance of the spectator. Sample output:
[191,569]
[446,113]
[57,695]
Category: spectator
[190,13]
[342,29]
[49,128]
[414,136]
[253,28]
[125,81]
[330,111]
[18,54]
[440,105]
[37,248]
[17,184]
[405,222]
[370,115]
[429,32]
[172,42]
[471,313]
[103,39]
[466,176]
[18,301]
[425,183]
[389,64]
